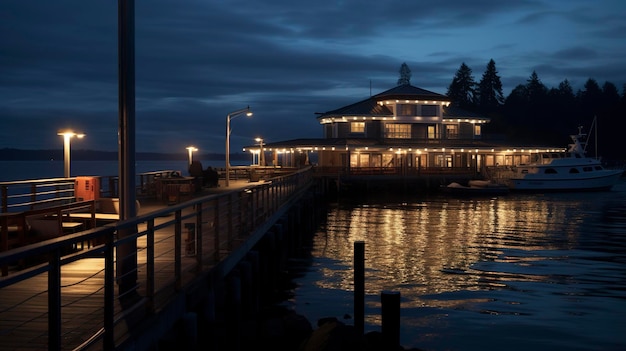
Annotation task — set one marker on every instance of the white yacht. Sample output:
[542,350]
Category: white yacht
[564,171]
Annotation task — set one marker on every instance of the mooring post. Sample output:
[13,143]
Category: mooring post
[390,308]
[359,287]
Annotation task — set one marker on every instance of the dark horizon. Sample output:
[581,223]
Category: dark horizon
[11,154]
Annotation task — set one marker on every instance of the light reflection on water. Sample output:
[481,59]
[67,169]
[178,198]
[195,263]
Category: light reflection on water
[521,271]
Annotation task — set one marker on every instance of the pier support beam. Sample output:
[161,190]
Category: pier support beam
[359,287]
[390,314]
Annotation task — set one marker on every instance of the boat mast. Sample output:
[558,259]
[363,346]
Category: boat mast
[595,122]
[595,133]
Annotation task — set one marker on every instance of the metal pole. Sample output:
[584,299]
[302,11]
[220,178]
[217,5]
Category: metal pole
[227,150]
[228,118]
[127,253]
[66,155]
[262,157]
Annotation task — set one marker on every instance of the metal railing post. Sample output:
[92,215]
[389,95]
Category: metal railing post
[178,250]
[54,301]
[150,276]
[199,236]
[109,292]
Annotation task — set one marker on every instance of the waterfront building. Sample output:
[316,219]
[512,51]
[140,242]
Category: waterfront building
[402,131]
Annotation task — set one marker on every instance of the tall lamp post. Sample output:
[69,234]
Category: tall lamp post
[261,152]
[230,116]
[67,135]
[191,150]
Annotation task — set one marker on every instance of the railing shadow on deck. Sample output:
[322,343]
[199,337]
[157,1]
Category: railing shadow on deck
[89,289]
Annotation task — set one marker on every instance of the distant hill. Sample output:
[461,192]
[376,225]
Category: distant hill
[8,154]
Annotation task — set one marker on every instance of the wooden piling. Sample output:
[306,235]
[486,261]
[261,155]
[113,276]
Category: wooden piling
[390,311]
[359,287]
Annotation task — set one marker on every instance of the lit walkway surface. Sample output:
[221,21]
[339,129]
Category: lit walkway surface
[65,293]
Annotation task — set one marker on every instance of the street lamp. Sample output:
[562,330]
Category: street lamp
[230,116]
[67,135]
[191,149]
[261,153]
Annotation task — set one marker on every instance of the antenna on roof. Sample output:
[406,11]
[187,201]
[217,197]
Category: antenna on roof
[370,88]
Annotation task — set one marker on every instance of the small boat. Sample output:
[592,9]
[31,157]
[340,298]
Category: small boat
[571,170]
[476,188]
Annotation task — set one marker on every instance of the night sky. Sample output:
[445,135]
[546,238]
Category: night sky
[196,61]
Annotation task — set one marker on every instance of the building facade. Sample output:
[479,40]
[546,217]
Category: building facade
[404,130]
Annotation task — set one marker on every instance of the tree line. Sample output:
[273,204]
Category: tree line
[534,114]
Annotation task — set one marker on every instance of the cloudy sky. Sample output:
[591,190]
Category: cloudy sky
[198,60]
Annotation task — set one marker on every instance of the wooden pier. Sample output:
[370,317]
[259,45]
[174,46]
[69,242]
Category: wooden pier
[126,284]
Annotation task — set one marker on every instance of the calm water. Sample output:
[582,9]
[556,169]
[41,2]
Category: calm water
[519,272]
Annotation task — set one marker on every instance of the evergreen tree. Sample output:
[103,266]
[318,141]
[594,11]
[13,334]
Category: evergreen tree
[610,95]
[562,106]
[490,97]
[516,109]
[590,100]
[611,121]
[462,88]
[565,90]
[405,75]
[537,91]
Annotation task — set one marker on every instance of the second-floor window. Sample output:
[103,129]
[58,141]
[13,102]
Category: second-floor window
[429,110]
[357,127]
[452,131]
[406,110]
[432,132]
[397,131]
[477,130]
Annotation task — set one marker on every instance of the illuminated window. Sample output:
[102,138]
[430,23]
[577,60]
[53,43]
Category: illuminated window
[354,160]
[357,127]
[364,160]
[397,131]
[431,132]
[443,161]
[388,160]
[477,129]
[376,160]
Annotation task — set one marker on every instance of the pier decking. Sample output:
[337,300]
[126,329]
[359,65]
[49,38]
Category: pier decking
[126,284]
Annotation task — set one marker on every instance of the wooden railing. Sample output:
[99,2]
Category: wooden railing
[152,257]
[31,194]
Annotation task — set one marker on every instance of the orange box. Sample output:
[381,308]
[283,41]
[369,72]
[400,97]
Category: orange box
[87,188]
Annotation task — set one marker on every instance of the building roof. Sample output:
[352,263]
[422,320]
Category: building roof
[409,92]
[367,107]
[456,112]
[371,106]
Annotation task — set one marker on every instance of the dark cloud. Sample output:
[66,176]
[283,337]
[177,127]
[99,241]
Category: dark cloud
[196,61]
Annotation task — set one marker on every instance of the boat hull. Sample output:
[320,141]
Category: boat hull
[475,190]
[538,183]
